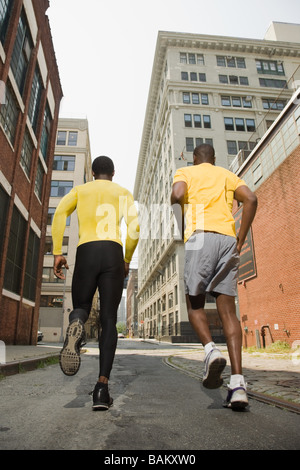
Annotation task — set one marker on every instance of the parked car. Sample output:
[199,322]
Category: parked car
[120,335]
[40,336]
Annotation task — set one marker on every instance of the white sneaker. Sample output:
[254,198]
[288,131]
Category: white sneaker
[237,398]
[214,364]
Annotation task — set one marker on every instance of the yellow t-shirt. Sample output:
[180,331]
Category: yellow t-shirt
[101,205]
[209,198]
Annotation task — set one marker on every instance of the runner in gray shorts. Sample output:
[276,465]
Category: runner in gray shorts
[211,264]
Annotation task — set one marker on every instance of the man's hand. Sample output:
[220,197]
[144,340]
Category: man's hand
[59,262]
[126,268]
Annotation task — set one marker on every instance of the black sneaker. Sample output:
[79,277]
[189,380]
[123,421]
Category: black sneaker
[101,397]
[69,358]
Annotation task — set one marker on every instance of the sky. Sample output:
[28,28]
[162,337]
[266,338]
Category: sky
[105,51]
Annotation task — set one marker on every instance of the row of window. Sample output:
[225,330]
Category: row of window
[14,266]
[235,80]
[196,120]
[262,66]
[233,146]
[231,124]
[69,138]
[9,113]
[232,101]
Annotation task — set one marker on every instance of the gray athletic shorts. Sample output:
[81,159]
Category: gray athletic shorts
[211,264]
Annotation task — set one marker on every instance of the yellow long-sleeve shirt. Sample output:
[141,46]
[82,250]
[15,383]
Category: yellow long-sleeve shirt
[101,205]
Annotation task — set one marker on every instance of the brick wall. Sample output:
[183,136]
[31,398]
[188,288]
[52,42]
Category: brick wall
[273,297]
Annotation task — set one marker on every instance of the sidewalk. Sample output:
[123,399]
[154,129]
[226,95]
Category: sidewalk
[271,377]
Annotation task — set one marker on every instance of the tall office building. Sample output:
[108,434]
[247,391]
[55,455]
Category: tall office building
[30,95]
[224,91]
[72,166]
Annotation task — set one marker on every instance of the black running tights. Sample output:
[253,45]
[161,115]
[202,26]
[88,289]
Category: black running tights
[100,265]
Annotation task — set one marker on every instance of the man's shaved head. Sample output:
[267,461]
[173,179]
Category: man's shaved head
[204,153]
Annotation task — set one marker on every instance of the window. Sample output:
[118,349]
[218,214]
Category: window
[226,100]
[38,189]
[204,99]
[229,124]
[51,301]
[232,147]
[236,101]
[206,122]
[186,98]
[64,163]
[190,145]
[197,120]
[51,212]
[4,201]
[48,250]
[15,252]
[31,268]
[72,141]
[45,132]
[60,188]
[5,10]
[35,98]
[26,153]
[188,120]
[200,59]
[239,124]
[269,67]
[273,83]
[193,76]
[61,138]
[233,80]
[9,114]
[273,103]
[184,76]
[48,276]
[183,58]
[230,61]
[191,58]
[202,77]
[250,123]
[22,52]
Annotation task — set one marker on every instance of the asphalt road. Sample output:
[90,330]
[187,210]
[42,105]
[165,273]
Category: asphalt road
[156,408]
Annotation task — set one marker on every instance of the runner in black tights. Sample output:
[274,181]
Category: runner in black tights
[101,206]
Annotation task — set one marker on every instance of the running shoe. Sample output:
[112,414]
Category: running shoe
[214,364]
[237,398]
[101,398]
[69,358]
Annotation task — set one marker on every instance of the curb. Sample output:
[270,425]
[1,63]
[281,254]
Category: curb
[25,365]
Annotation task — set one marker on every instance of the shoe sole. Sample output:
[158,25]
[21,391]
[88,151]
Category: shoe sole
[69,358]
[238,405]
[215,369]
[102,406]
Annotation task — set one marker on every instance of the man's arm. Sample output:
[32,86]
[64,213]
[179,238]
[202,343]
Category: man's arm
[133,231]
[179,190]
[66,206]
[248,198]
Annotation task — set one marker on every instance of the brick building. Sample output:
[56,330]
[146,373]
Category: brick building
[30,100]
[269,293]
